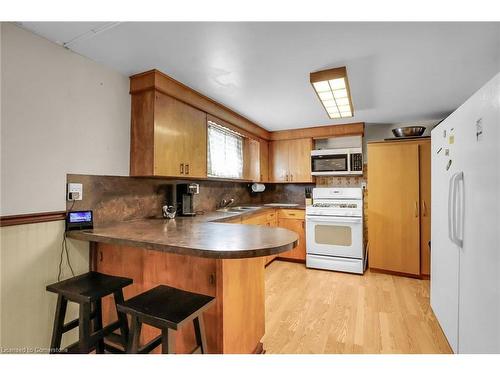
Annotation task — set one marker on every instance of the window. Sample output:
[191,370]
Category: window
[225,152]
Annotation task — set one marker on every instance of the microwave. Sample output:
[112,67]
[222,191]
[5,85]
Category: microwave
[337,162]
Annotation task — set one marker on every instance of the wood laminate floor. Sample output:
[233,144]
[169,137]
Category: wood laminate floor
[313,311]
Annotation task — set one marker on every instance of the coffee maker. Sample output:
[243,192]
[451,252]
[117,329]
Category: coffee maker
[185,197]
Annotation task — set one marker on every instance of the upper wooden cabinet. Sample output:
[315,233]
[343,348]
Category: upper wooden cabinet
[290,160]
[264,160]
[251,159]
[168,137]
[399,206]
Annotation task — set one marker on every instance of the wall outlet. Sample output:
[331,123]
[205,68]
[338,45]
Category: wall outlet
[75,192]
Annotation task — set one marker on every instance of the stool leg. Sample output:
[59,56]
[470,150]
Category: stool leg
[97,325]
[134,336]
[167,341]
[122,317]
[84,328]
[199,331]
[57,330]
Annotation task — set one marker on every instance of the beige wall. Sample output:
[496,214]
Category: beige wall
[29,261]
[60,113]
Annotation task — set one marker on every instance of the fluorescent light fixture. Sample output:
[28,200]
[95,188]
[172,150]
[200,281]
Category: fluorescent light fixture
[332,88]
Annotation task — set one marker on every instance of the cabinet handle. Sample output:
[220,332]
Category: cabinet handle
[182,168]
[287,177]
[187,168]
[303,225]
[416,209]
[424,208]
[100,256]
[211,279]
[291,177]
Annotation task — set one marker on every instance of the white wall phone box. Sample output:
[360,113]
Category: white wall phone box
[75,192]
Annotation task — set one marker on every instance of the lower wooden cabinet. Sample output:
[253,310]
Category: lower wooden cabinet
[294,220]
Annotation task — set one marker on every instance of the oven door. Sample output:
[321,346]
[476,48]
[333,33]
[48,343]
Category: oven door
[335,236]
[323,164]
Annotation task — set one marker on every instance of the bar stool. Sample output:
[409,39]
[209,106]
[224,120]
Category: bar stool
[87,290]
[168,309]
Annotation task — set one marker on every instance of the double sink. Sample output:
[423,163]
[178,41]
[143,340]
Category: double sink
[240,209]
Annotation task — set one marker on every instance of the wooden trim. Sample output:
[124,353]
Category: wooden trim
[41,217]
[395,273]
[303,261]
[355,128]
[154,79]
[396,141]
[259,349]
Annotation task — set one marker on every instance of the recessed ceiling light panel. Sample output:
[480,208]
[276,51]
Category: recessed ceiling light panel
[332,88]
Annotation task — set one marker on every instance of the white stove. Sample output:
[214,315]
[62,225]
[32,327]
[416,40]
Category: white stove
[334,235]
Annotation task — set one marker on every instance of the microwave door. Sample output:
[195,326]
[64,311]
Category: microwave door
[330,163]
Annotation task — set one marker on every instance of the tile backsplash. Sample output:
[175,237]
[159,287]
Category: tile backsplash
[114,198]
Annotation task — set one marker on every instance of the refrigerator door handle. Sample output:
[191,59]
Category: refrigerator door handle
[450,205]
[459,176]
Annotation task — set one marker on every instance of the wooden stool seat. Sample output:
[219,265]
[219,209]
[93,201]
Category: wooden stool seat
[168,309]
[87,290]
[89,287]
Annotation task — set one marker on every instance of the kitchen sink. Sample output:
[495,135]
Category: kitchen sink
[238,209]
[281,205]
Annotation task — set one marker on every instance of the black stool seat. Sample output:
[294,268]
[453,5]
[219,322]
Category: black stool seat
[87,290]
[166,308]
[89,287]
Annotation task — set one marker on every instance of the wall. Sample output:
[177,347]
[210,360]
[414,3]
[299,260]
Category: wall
[30,257]
[63,113]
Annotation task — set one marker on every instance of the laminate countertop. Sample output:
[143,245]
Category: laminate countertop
[204,236]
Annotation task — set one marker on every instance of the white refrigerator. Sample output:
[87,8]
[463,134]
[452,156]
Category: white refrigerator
[465,229]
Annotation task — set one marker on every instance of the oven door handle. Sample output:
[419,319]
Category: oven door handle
[334,219]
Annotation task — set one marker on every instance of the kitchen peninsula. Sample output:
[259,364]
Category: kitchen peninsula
[205,254]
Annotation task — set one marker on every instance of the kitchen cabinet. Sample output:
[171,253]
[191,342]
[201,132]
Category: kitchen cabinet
[399,206]
[290,160]
[264,160]
[294,220]
[268,218]
[168,137]
[251,159]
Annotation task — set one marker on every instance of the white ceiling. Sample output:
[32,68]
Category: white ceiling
[398,72]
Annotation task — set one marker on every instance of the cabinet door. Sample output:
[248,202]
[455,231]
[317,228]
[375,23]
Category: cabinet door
[298,226]
[278,165]
[299,162]
[393,207]
[180,139]
[425,207]
[251,159]
[264,161]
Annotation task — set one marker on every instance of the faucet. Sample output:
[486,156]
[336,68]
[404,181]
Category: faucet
[226,203]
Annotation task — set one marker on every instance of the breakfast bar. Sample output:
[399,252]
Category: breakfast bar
[202,254]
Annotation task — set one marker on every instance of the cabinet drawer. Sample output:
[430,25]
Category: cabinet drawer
[291,214]
[271,215]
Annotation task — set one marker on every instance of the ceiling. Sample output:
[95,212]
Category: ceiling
[398,72]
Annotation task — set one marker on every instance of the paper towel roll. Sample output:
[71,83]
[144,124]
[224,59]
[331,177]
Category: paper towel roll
[258,188]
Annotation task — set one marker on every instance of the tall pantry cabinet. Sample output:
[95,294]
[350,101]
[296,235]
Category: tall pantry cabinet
[399,201]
